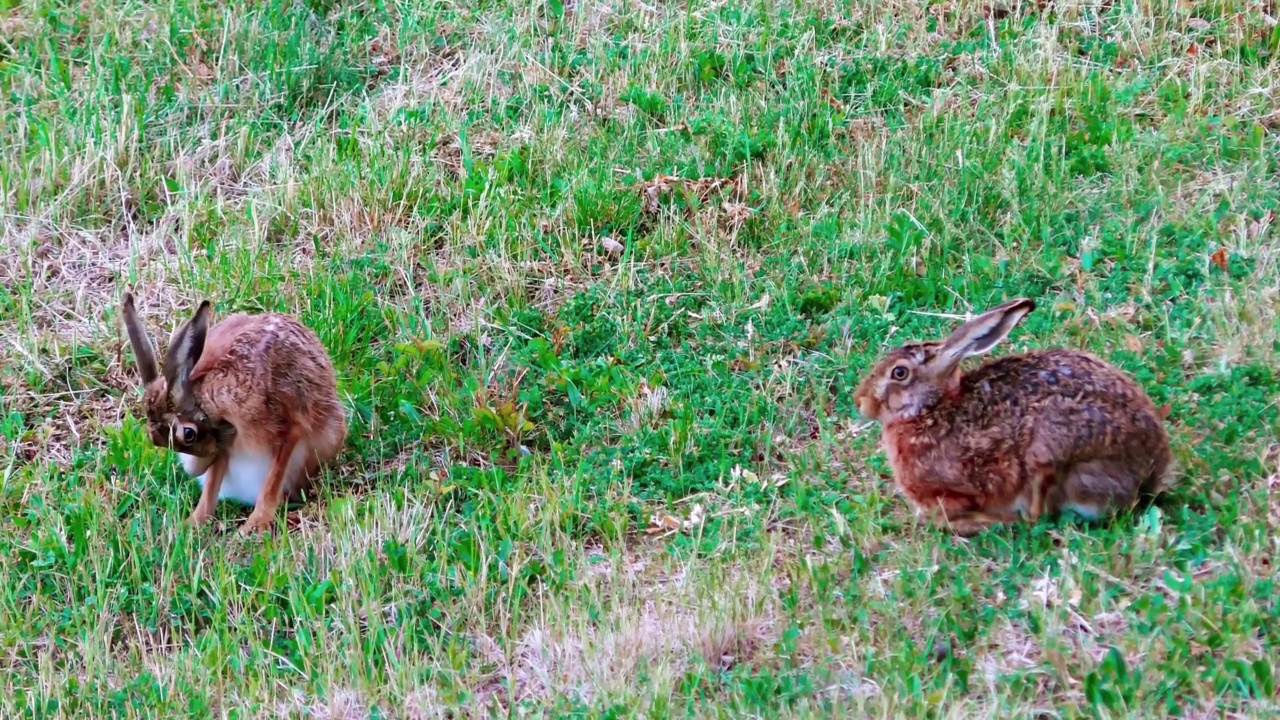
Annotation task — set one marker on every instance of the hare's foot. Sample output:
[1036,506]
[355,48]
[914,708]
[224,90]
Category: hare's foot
[257,522]
[967,523]
[199,516]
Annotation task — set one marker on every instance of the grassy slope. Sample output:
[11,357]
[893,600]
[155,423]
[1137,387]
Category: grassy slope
[654,245]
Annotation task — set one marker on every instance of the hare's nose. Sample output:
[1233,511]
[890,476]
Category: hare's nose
[865,407]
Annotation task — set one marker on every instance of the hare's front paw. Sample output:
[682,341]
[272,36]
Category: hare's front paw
[199,516]
[257,522]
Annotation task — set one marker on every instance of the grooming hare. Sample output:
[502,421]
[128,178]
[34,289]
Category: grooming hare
[1045,431]
[250,405]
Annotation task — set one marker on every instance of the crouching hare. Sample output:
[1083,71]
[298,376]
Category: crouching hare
[250,405]
[1021,435]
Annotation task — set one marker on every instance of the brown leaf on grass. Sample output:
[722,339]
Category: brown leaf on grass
[998,11]
[664,522]
[737,213]
[383,51]
[660,185]
[668,523]
[862,128]
[704,187]
[1256,228]
[831,100]
[1219,258]
[655,189]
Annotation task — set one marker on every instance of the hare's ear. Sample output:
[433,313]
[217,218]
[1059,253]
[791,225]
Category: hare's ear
[143,352]
[185,348]
[982,333]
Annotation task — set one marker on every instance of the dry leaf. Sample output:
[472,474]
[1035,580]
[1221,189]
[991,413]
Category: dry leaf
[1133,343]
[1219,258]
[704,187]
[663,523]
[736,212]
[611,246]
[861,128]
[1198,24]
[654,189]
[695,517]
[831,100]
[1256,228]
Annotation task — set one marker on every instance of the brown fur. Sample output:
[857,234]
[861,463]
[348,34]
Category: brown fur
[251,382]
[1020,435]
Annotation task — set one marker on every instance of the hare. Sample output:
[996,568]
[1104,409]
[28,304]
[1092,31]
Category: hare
[1021,435]
[250,405]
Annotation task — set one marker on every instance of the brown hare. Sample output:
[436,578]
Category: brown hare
[250,405]
[1021,435]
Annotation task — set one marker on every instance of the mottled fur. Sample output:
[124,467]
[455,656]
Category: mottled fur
[1021,435]
[252,386]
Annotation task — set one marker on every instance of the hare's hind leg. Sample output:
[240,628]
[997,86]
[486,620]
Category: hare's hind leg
[1097,488]
[287,464]
[318,450]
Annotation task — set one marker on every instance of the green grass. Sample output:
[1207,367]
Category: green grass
[583,264]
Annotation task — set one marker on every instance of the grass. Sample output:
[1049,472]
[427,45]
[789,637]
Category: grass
[584,265]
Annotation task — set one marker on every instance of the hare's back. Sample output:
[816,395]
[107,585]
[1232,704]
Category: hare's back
[266,343]
[255,364]
[1014,385]
[1085,404]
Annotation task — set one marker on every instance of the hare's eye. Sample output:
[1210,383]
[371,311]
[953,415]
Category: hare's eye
[188,434]
[899,373]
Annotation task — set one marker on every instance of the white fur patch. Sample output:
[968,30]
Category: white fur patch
[1088,512]
[1021,504]
[246,474]
[195,465]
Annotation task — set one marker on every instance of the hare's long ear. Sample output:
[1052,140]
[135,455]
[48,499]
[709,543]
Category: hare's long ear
[143,352]
[981,333]
[185,348]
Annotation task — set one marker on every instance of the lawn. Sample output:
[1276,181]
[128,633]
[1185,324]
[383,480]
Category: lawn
[599,279]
